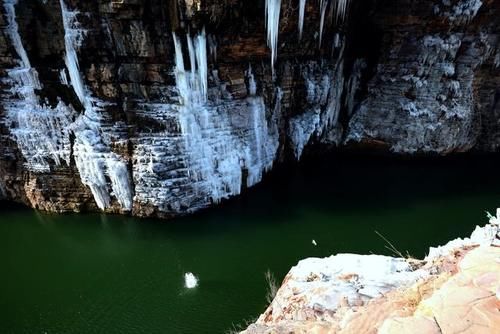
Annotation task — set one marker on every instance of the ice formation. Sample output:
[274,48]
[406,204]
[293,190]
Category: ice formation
[323,4]
[40,131]
[193,85]
[224,146]
[273,9]
[460,12]
[217,159]
[252,85]
[302,13]
[440,98]
[93,157]
[190,281]
[338,9]
[324,89]
[214,145]
[63,77]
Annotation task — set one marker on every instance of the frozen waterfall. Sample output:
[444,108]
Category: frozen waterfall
[40,131]
[73,37]
[219,149]
[25,74]
[93,157]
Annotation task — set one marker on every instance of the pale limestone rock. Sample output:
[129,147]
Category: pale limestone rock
[455,290]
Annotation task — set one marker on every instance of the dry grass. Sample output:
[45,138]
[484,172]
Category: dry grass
[272,286]
[390,246]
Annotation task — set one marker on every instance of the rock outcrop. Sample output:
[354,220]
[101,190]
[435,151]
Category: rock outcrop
[162,108]
[455,289]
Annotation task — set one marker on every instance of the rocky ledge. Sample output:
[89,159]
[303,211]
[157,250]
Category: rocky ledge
[455,289]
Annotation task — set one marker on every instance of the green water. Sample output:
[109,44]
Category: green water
[111,274]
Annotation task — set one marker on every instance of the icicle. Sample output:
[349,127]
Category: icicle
[341,10]
[72,40]
[273,9]
[194,90]
[252,85]
[192,55]
[63,78]
[302,11]
[91,165]
[339,7]
[323,6]
[180,73]
[120,182]
[201,59]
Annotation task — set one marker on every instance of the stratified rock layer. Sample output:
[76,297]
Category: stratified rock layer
[162,108]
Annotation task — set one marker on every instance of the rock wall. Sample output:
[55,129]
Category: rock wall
[162,108]
[434,84]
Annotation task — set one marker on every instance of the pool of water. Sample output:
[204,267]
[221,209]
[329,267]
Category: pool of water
[94,273]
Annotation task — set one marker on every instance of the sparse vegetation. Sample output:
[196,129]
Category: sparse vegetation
[272,286]
[390,246]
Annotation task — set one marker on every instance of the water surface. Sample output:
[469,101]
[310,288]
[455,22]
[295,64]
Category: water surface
[112,274]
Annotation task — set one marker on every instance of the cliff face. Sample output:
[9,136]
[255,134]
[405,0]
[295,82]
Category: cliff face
[166,107]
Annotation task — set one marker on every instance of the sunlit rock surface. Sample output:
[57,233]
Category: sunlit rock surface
[164,108]
[454,290]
